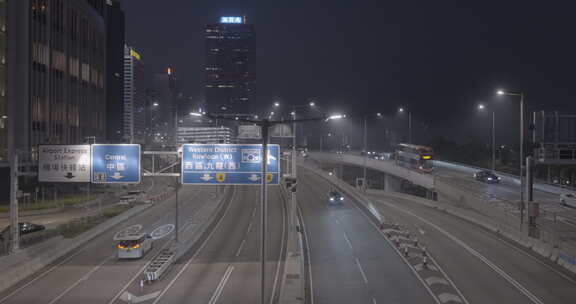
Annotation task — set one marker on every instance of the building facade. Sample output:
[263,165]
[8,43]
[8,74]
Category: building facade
[230,68]
[204,135]
[134,114]
[115,41]
[55,69]
[166,92]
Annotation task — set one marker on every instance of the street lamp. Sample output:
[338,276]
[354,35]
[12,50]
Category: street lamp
[378,115]
[402,110]
[276,104]
[482,107]
[521,158]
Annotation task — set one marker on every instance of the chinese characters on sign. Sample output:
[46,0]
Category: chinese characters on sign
[227,164]
[64,163]
[115,163]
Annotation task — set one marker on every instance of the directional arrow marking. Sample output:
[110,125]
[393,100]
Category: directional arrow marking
[206,177]
[130,298]
[116,176]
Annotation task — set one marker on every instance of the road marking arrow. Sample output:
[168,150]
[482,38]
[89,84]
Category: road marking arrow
[116,175]
[132,299]
[206,177]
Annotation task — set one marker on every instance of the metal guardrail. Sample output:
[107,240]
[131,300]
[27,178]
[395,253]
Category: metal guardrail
[159,265]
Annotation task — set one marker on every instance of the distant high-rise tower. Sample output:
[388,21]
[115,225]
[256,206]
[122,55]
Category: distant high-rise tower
[134,97]
[230,66]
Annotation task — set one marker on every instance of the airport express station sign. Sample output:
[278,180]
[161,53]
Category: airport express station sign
[64,163]
[228,164]
[113,164]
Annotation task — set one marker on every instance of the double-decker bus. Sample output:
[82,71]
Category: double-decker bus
[419,158]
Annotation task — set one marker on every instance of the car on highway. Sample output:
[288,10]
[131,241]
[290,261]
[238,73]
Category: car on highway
[25,228]
[133,245]
[568,199]
[335,197]
[487,177]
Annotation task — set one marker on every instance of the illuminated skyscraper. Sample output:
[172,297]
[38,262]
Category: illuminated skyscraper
[134,97]
[230,65]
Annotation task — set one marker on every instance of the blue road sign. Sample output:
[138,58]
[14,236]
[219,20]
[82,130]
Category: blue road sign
[115,164]
[227,164]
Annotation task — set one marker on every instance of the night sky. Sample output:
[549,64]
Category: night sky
[437,58]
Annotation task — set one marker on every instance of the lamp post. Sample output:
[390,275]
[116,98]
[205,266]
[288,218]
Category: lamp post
[482,107]
[521,95]
[365,161]
[265,124]
[402,110]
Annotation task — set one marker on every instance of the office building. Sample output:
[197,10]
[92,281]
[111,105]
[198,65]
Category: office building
[55,63]
[230,66]
[115,40]
[204,135]
[134,115]
[166,91]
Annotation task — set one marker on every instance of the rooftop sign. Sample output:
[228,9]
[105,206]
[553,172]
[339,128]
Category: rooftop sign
[236,20]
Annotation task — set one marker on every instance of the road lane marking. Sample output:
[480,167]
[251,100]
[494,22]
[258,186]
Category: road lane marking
[361,271]
[83,278]
[254,212]
[477,254]
[165,245]
[308,255]
[198,251]
[40,276]
[370,222]
[249,227]
[348,241]
[240,248]
[374,301]
[282,249]
[221,285]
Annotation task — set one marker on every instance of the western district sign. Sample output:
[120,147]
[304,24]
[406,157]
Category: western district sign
[228,164]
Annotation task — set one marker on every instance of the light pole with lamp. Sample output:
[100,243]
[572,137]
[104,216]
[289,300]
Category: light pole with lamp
[365,160]
[402,110]
[265,125]
[521,157]
[482,107]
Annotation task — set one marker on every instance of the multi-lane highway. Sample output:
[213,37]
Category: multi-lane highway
[350,260]
[225,266]
[486,268]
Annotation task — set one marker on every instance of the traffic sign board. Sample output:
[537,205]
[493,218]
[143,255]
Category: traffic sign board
[116,163]
[64,163]
[228,164]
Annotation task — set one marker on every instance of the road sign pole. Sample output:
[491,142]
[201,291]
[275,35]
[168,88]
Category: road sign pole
[14,231]
[263,197]
[176,222]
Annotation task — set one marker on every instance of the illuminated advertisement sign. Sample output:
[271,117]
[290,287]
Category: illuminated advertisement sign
[236,20]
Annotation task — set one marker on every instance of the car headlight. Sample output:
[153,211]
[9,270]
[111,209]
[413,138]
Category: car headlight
[331,199]
[489,178]
[342,198]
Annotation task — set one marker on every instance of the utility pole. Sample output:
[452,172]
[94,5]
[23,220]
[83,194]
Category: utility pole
[176,183]
[365,160]
[263,210]
[14,226]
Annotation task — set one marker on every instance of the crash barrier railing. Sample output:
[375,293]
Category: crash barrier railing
[159,264]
